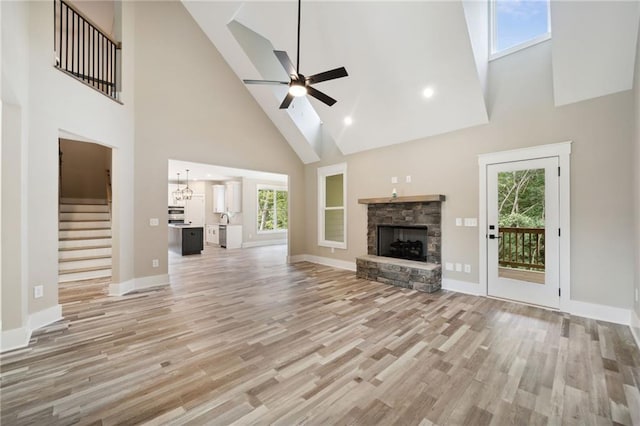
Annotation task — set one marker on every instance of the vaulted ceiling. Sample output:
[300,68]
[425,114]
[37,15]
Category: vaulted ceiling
[393,51]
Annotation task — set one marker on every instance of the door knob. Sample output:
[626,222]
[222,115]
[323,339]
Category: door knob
[493,237]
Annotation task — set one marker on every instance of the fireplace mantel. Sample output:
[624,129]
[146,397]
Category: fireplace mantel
[407,199]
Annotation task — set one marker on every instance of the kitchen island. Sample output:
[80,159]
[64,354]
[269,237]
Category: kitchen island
[185,239]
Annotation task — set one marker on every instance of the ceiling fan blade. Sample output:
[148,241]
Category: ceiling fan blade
[327,75]
[264,82]
[320,96]
[287,101]
[284,59]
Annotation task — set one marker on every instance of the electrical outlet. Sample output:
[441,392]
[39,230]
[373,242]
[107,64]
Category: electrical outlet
[154,221]
[394,179]
[448,266]
[458,267]
[155,263]
[467,269]
[458,221]
[38,292]
[408,179]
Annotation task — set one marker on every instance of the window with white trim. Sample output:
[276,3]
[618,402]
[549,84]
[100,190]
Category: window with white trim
[273,204]
[332,206]
[517,24]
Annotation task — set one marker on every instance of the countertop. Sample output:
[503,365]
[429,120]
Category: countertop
[183,226]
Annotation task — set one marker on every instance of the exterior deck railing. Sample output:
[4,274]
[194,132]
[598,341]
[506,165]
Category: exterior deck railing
[521,248]
[85,51]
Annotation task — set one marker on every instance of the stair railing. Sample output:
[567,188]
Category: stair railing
[84,51]
[108,181]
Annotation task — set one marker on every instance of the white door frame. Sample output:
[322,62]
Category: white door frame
[562,151]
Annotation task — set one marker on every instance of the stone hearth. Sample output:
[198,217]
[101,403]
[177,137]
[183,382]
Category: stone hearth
[404,211]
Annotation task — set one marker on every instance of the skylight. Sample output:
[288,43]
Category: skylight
[517,24]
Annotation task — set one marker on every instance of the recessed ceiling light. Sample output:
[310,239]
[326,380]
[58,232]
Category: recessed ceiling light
[348,121]
[428,92]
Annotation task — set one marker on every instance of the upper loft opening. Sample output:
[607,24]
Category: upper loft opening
[86,43]
[517,24]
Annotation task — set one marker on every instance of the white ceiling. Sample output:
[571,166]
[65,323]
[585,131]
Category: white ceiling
[392,50]
[389,65]
[199,171]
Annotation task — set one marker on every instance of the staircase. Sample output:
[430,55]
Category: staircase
[84,240]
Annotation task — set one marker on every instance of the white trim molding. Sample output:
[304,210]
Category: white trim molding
[19,337]
[465,287]
[326,261]
[561,150]
[137,284]
[635,326]
[15,338]
[44,317]
[260,243]
[598,312]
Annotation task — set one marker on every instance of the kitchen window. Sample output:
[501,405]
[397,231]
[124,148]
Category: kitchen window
[332,206]
[272,209]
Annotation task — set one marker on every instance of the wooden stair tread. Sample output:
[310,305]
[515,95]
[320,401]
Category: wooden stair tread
[84,258]
[82,238]
[83,220]
[83,248]
[85,229]
[88,269]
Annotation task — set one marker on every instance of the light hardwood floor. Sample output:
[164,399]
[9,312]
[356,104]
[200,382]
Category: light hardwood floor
[241,337]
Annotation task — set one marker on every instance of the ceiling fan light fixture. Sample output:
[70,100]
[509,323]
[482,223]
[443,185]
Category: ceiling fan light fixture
[297,89]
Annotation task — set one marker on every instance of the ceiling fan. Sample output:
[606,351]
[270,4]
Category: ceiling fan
[300,85]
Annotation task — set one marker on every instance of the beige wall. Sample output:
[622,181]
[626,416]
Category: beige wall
[636,168]
[84,168]
[522,114]
[49,102]
[201,112]
[101,12]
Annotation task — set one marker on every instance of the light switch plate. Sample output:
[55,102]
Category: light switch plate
[155,263]
[154,221]
[458,267]
[470,221]
[467,268]
[408,179]
[448,266]
[38,292]
[394,179]
[458,221]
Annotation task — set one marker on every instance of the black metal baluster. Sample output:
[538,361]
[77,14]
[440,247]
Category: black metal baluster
[66,40]
[60,38]
[73,41]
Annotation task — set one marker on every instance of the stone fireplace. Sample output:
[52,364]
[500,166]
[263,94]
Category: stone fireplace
[403,242]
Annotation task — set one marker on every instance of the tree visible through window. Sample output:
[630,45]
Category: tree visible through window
[272,209]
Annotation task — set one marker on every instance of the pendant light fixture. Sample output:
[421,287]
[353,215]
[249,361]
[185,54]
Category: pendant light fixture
[187,192]
[177,194]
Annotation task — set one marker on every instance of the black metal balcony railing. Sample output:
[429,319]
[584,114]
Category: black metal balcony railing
[521,248]
[85,51]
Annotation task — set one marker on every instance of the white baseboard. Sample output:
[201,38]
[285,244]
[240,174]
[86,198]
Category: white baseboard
[599,312]
[19,337]
[461,286]
[118,289]
[45,317]
[320,260]
[143,283]
[260,243]
[151,281]
[14,339]
[635,327]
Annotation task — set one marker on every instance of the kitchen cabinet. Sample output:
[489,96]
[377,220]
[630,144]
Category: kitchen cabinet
[212,234]
[185,240]
[218,198]
[233,196]
[230,236]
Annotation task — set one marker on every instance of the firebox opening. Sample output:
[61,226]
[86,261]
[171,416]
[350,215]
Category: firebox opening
[403,242]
